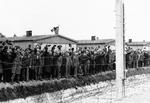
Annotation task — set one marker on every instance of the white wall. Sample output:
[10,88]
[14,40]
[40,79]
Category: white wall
[65,47]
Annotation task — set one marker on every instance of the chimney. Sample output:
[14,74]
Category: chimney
[130,40]
[28,33]
[15,35]
[97,38]
[93,37]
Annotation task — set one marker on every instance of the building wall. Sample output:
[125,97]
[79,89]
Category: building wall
[56,40]
[24,44]
[48,41]
[65,47]
[147,47]
[136,47]
[90,46]
[93,46]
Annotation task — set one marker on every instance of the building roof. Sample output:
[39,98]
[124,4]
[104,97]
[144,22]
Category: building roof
[100,41]
[34,38]
[137,43]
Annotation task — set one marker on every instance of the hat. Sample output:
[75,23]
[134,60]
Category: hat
[59,46]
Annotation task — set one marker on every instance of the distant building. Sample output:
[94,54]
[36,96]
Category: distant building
[27,40]
[143,45]
[95,43]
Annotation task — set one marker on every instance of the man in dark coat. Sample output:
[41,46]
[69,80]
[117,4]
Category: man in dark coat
[128,60]
[107,58]
[25,66]
[135,59]
[68,64]
[59,62]
[46,58]
[84,62]
[100,62]
[29,49]
[146,57]
[6,65]
[141,59]
[92,63]
[1,68]
[35,64]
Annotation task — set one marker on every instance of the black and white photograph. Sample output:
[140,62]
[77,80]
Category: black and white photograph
[74,51]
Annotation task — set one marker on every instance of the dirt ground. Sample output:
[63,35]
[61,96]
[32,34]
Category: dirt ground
[137,90]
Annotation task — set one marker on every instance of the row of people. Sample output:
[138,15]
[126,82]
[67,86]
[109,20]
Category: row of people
[17,64]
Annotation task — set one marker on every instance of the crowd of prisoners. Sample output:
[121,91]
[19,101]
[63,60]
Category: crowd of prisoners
[35,63]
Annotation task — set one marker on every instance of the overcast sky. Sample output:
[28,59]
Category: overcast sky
[78,19]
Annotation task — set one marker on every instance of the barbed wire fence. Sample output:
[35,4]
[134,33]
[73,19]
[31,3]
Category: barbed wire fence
[40,63]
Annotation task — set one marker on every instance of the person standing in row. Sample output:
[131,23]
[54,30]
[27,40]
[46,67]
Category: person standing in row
[17,65]
[1,68]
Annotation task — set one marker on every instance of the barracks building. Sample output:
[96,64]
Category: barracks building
[43,40]
[57,39]
[95,43]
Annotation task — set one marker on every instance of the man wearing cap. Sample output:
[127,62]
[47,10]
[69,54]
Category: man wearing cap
[29,49]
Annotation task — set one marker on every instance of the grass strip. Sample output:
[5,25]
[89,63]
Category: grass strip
[31,88]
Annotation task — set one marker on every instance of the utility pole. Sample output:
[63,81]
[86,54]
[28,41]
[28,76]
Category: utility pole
[120,57]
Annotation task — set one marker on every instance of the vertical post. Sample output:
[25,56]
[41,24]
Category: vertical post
[27,73]
[120,59]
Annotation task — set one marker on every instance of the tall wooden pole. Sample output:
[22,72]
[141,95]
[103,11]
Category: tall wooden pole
[120,59]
